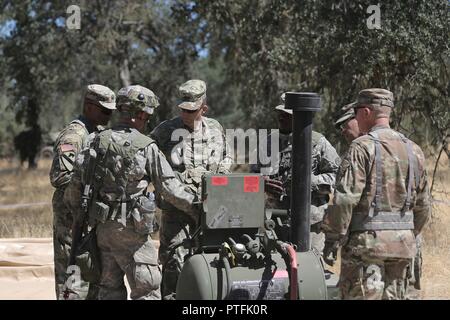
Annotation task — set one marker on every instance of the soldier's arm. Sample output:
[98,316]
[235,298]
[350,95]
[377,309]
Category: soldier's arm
[74,190]
[350,184]
[324,179]
[422,207]
[67,147]
[165,182]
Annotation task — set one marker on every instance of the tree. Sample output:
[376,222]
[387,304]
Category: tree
[325,46]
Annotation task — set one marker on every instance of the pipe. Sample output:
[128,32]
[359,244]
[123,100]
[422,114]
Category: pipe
[227,268]
[293,280]
[303,105]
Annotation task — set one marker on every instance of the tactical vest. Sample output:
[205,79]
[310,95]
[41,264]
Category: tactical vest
[387,220]
[113,167]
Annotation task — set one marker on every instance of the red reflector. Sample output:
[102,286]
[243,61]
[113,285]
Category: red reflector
[219,181]
[251,184]
[281,274]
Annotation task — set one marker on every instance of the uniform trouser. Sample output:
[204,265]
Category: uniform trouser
[372,278]
[175,227]
[123,251]
[87,284]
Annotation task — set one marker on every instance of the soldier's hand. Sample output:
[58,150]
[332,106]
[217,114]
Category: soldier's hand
[330,252]
[316,227]
[273,186]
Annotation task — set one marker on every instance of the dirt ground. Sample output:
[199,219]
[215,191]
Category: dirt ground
[25,212]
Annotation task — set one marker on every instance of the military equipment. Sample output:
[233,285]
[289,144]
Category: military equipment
[80,225]
[238,254]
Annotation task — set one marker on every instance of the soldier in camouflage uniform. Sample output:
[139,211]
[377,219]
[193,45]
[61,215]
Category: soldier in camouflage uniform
[346,123]
[348,126]
[99,102]
[325,163]
[194,145]
[122,209]
[380,205]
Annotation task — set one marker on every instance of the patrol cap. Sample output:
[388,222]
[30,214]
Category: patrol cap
[375,97]
[192,93]
[101,95]
[281,107]
[345,114]
[137,97]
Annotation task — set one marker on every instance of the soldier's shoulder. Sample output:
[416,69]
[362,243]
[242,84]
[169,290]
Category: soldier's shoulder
[167,126]
[318,138]
[364,143]
[317,135]
[213,123]
[418,151]
[74,132]
[363,140]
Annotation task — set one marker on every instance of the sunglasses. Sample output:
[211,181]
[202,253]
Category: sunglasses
[189,111]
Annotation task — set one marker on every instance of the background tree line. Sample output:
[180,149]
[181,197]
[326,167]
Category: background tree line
[249,52]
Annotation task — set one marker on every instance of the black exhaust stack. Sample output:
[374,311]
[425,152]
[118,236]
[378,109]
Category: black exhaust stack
[303,104]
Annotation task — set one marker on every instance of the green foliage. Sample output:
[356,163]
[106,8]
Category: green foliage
[325,46]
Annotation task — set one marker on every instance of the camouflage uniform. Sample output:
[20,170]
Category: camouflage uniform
[191,156]
[325,163]
[122,210]
[381,197]
[68,144]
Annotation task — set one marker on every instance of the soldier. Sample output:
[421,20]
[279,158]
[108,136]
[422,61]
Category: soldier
[122,209]
[202,149]
[346,123]
[381,203]
[325,163]
[99,103]
[349,128]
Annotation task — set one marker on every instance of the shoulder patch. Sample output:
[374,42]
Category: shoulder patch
[66,157]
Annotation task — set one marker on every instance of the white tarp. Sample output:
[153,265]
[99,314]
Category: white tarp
[26,269]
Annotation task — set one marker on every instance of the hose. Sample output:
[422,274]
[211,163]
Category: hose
[293,281]
[226,265]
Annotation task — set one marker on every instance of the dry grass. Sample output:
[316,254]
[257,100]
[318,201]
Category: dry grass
[23,186]
[436,253]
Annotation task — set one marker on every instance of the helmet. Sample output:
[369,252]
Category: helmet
[137,98]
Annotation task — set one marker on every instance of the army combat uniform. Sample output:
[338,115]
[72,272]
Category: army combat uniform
[191,154]
[381,202]
[68,144]
[325,163]
[122,209]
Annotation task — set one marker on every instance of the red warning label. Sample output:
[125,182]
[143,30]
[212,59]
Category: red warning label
[251,184]
[219,181]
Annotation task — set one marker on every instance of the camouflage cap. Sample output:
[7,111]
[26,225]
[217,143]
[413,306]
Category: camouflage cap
[101,95]
[375,97]
[137,97]
[192,93]
[346,113]
[281,107]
